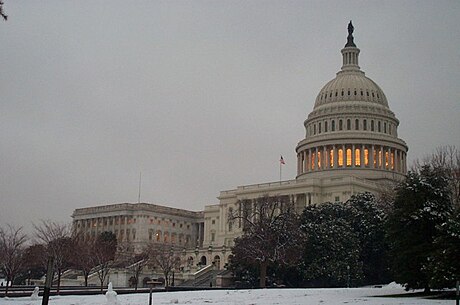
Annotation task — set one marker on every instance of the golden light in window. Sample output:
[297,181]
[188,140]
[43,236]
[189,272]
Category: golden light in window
[349,157]
[319,159]
[340,157]
[357,157]
[392,161]
[366,157]
[387,160]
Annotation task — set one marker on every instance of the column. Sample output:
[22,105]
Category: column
[353,159]
[371,156]
[361,156]
[335,156]
[308,165]
[325,158]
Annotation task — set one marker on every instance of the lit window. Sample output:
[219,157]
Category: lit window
[312,161]
[340,157]
[387,160]
[348,157]
[366,157]
[357,157]
[319,159]
[375,158]
[380,158]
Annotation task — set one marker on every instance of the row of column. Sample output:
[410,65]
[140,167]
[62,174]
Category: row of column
[351,155]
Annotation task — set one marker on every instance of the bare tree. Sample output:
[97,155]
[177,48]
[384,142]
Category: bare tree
[166,258]
[104,251]
[56,237]
[448,159]
[270,233]
[82,258]
[2,13]
[12,242]
[134,262]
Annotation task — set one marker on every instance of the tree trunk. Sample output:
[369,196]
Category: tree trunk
[59,282]
[6,288]
[86,279]
[427,289]
[263,273]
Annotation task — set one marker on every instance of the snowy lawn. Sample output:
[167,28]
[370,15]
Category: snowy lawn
[247,297]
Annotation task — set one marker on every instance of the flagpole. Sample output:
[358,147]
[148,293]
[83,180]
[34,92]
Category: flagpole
[280,172]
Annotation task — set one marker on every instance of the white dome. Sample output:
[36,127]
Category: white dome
[351,86]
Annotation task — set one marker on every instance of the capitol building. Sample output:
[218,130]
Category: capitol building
[351,145]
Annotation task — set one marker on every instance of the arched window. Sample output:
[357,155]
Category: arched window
[349,157]
[333,125]
[385,127]
[348,124]
[340,125]
[325,126]
[372,125]
[364,124]
[356,124]
[379,126]
[366,157]
[314,129]
[340,157]
[357,157]
[319,159]
[319,127]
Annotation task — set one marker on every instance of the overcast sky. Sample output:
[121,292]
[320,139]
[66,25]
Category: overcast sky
[199,96]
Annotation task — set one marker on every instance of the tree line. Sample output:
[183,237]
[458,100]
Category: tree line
[22,259]
[409,234]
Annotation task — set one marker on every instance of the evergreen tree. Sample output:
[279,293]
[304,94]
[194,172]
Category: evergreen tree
[421,206]
[367,219]
[332,250]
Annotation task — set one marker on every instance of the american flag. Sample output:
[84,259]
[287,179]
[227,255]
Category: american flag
[282,160]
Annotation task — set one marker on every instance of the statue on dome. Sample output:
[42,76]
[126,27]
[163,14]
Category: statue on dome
[350,42]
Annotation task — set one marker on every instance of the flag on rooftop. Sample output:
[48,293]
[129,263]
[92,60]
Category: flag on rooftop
[282,160]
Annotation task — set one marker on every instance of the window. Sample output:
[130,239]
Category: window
[313,161]
[348,124]
[314,129]
[319,160]
[364,124]
[325,126]
[372,125]
[366,157]
[379,126]
[356,124]
[357,157]
[349,157]
[333,125]
[385,127]
[213,221]
[337,198]
[340,157]
[319,127]
[213,236]
[340,125]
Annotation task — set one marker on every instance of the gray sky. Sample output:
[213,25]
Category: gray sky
[201,96]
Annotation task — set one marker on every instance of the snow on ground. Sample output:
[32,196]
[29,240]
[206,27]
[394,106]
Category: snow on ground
[247,297]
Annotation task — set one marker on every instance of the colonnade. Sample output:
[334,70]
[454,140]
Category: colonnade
[351,156]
